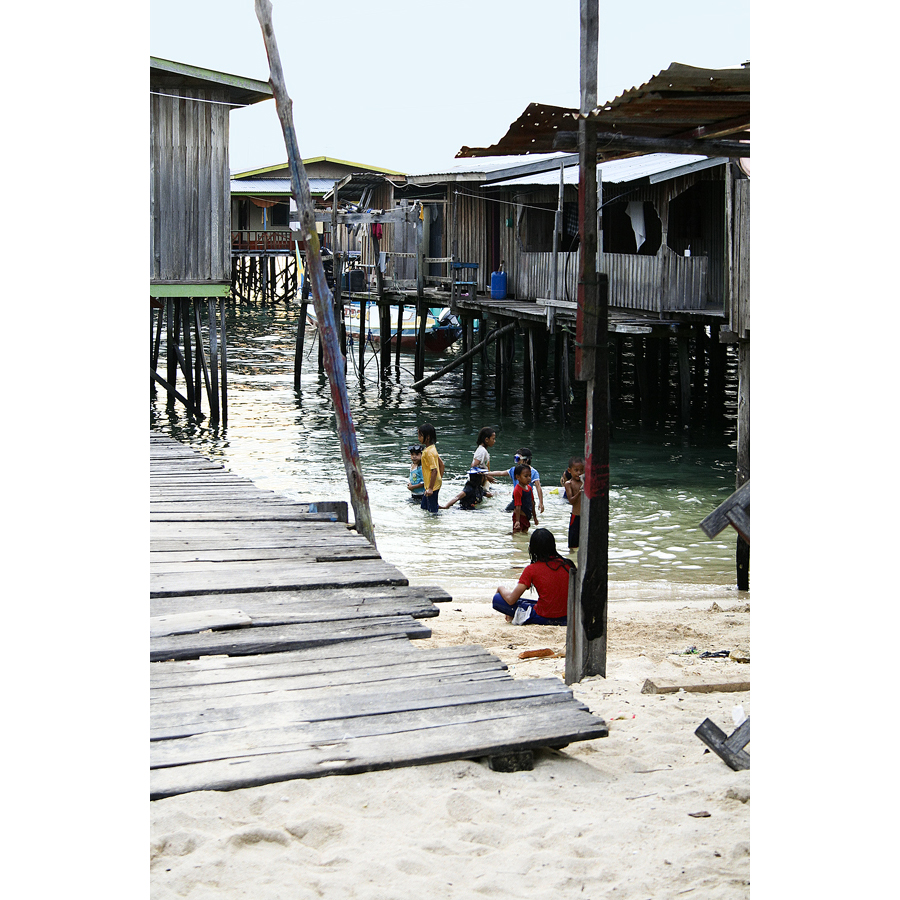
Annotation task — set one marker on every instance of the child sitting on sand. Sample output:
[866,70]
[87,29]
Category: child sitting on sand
[549,574]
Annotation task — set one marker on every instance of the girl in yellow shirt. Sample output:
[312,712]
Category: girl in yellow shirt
[432,467]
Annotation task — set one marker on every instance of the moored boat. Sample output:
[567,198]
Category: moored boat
[442,328]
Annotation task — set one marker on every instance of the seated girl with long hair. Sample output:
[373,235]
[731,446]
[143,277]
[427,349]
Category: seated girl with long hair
[549,575]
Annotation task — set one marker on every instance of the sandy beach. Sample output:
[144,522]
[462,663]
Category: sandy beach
[645,812]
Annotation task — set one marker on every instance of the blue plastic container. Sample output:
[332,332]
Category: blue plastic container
[498,285]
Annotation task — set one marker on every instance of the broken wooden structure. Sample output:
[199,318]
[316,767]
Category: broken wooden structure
[734,511]
[282,647]
[190,235]
[729,748]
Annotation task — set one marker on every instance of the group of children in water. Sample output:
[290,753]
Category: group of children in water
[548,572]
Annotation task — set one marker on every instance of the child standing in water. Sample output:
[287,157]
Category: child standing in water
[549,574]
[415,485]
[523,500]
[523,456]
[481,459]
[432,467]
[574,491]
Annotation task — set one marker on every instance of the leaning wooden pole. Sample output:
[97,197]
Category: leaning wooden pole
[322,297]
[496,333]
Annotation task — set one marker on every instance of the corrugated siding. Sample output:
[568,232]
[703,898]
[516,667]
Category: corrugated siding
[189,188]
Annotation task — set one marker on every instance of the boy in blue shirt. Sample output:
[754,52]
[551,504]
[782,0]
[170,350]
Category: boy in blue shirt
[416,484]
[523,457]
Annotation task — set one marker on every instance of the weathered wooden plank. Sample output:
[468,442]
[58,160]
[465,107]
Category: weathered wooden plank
[284,710]
[369,753]
[297,554]
[368,672]
[237,577]
[667,686]
[304,613]
[280,637]
[322,598]
[186,623]
[399,655]
[303,735]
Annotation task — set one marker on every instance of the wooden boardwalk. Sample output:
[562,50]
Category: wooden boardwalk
[280,648]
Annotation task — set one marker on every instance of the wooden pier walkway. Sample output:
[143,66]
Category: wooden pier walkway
[280,648]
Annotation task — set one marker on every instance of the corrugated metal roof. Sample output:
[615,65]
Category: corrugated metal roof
[281,186]
[654,166]
[243,91]
[681,103]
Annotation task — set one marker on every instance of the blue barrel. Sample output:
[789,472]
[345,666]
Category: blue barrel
[498,285]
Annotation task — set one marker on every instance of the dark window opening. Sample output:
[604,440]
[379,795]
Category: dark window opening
[620,229]
[279,214]
[539,222]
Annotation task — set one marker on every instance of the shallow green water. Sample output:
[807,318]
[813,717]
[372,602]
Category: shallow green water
[662,484]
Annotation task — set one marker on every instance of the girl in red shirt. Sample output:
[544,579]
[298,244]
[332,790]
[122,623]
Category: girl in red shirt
[549,575]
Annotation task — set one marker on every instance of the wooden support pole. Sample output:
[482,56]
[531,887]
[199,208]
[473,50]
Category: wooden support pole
[586,631]
[224,344]
[322,298]
[640,377]
[301,325]
[213,363]
[494,335]
[532,374]
[363,336]
[684,378]
[185,311]
[171,356]
[419,367]
[742,552]
[201,355]
[468,365]
[399,337]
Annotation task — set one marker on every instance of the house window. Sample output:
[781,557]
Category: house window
[631,227]
[539,221]
[279,214]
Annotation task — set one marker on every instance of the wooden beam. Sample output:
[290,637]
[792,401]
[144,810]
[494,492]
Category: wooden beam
[496,333]
[613,141]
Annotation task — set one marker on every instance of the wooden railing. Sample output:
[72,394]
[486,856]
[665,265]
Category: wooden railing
[262,240]
[658,283]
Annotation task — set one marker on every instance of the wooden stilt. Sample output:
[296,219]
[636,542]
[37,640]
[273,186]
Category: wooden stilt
[527,372]
[188,366]
[684,377]
[201,355]
[363,337]
[171,356]
[468,366]
[301,325]
[564,384]
[742,554]
[532,375]
[213,363]
[498,374]
[399,337]
[224,354]
[640,378]
[664,386]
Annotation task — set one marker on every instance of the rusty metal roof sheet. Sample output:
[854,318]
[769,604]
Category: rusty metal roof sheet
[681,102]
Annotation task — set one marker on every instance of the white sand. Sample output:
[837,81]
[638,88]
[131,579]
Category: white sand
[610,817]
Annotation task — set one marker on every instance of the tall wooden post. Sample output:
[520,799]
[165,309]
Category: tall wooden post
[586,631]
[213,363]
[742,553]
[419,369]
[322,298]
[301,324]
[171,354]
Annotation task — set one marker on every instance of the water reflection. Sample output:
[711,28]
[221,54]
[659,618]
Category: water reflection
[662,482]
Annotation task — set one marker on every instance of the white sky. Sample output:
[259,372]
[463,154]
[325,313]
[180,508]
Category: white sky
[404,84]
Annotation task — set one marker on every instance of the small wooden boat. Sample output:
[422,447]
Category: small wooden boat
[442,328]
